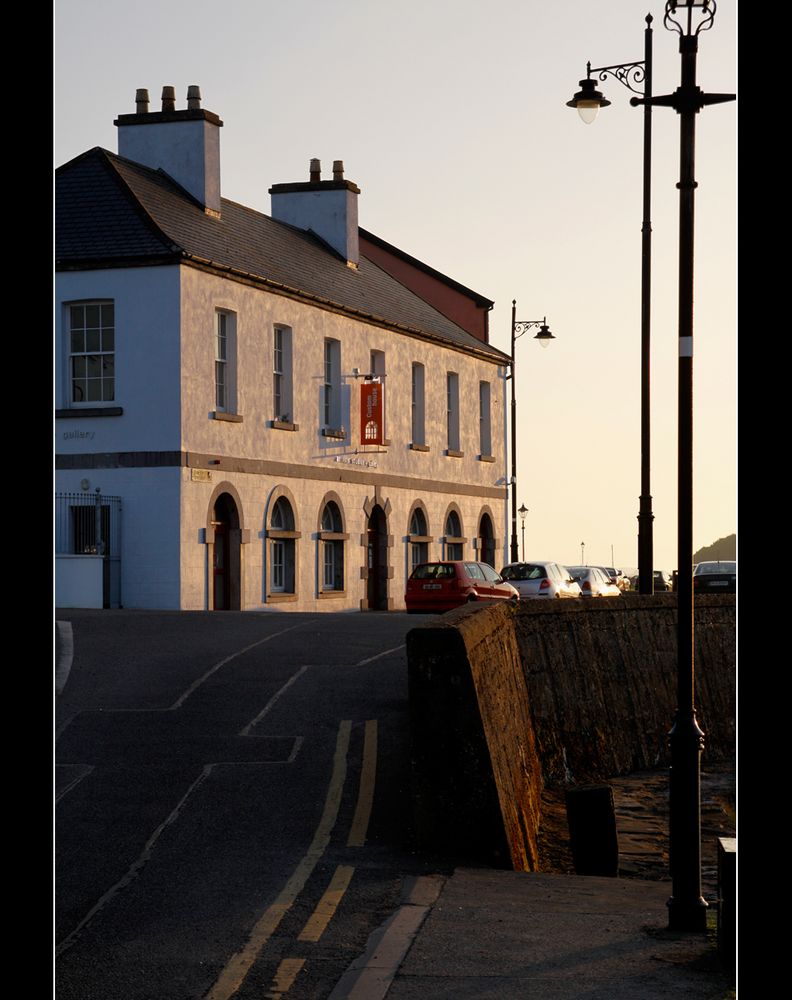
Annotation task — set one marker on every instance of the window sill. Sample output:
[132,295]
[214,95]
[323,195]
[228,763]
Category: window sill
[234,418]
[283,425]
[453,453]
[325,595]
[486,458]
[280,598]
[282,533]
[333,536]
[419,447]
[338,434]
[89,411]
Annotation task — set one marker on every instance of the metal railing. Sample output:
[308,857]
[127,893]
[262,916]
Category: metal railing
[88,524]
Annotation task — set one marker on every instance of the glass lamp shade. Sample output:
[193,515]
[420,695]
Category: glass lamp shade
[588,111]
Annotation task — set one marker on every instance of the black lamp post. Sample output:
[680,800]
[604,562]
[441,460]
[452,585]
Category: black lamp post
[588,101]
[522,512]
[686,907]
[518,328]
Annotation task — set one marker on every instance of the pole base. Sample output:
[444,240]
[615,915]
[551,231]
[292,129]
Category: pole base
[687,915]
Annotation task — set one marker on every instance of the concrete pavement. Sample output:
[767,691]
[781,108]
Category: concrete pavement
[497,935]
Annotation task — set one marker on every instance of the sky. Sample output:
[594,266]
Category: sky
[450,116]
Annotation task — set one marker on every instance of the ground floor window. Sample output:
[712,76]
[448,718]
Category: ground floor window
[331,541]
[282,548]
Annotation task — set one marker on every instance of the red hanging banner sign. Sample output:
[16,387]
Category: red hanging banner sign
[371,411]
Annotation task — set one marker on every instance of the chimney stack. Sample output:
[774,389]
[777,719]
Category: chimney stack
[184,144]
[327,208]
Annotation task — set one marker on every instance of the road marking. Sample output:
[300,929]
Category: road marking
[196,684]
[86,770]
[273,700]
[284,977]
[137,866]
[377,656]
[327,905]
[360,821]
[238,966]
[298,742]
[63,666]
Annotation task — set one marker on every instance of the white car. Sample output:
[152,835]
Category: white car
[541,578]
[594,582]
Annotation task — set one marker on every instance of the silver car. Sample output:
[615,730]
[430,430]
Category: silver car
[541,578]
[594,582]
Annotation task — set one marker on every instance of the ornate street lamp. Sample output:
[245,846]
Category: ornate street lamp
[518,328]
[686,907]
[588,100]
[522,512]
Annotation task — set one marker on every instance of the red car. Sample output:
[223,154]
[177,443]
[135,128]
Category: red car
[441,586]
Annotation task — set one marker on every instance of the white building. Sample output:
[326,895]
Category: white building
[287,422]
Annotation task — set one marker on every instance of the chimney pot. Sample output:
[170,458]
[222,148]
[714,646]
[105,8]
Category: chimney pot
[193,97]
[338,170]
[141,101]
[315,171]
[168,98]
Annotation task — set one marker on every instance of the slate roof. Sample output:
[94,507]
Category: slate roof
[110,211]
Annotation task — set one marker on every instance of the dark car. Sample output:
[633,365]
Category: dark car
[441,586]
[715,577]
[662,581]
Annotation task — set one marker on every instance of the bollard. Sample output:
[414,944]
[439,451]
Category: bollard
[592,830]
[727,910]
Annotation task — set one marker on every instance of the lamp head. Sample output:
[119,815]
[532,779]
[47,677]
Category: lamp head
[544,336]
[588,100]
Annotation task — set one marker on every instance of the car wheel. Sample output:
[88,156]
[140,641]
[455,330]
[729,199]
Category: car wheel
[471,598]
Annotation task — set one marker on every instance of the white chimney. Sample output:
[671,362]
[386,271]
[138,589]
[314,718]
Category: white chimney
[185,144]
[327,208]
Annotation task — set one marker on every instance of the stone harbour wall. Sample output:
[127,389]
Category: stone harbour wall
[504,701]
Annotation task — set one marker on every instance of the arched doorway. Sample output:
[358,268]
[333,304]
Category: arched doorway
[486,540]
[226,555]
[377,560]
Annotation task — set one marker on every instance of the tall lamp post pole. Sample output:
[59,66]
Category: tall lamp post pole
[588,101]
[518,328]
[686,907]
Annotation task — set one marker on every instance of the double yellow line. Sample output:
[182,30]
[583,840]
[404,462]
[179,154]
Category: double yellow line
[238,966]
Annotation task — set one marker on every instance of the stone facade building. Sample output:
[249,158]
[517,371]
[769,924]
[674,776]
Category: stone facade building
[292,411]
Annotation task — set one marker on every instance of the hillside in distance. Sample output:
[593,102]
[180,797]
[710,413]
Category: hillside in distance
[724,548]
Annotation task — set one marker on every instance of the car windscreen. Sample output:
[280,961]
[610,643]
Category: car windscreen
[523,571]
[721,567]
[433,571]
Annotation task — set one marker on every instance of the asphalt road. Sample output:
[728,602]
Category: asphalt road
[232,810]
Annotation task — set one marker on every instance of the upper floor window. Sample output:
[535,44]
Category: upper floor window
[92,352]
[282,380]
[452,410]
[331,415]
[485,421]
[418,405]
[377,363]
[225,365]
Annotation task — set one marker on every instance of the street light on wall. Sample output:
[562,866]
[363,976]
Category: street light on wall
[687,910]
[588,100]
[522,512]
[544,336]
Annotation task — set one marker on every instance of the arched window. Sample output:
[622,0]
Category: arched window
[419,546]
[454,542]
[331,548]
[282,537]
